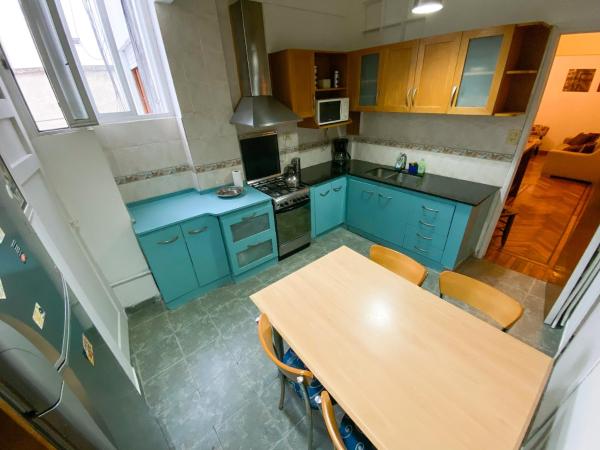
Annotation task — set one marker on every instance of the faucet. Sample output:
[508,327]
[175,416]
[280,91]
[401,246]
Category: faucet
[400,165]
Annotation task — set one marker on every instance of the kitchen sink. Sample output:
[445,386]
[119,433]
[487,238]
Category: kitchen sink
[381,172]
[400,177]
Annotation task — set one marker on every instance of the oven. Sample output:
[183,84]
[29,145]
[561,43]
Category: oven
[293,227]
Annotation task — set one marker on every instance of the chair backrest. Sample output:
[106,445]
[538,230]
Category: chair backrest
[399,263]
[496,304]
[330,423]
[265,336]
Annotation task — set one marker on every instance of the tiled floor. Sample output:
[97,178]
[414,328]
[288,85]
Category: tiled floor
[207,380]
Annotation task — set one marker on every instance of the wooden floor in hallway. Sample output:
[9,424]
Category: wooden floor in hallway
[547,211]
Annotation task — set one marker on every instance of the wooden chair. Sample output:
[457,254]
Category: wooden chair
[495,304]
[330,423]
[303,377]
[352,435]
[399,263]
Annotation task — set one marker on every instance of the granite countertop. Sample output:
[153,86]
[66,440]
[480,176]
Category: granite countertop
[462,191]
[152,214]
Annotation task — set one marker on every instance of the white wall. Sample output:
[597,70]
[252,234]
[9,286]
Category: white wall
[569,113]
[77,168]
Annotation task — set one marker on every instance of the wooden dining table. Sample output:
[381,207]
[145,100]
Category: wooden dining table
[412,370]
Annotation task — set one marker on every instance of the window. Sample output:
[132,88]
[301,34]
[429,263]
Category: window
[77,62]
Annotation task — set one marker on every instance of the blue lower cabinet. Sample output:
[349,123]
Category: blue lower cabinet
[206,248]
[250,238]
[169,260]
[391,213]
[328,204]
[361,206]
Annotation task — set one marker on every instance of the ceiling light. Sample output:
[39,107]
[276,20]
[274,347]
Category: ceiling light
[427,6]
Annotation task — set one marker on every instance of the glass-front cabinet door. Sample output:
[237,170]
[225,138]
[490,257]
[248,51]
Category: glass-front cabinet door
[481,63]
[364,79]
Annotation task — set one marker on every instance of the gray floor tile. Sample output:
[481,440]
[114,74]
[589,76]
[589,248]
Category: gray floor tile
[150,332]
[171,386]
[209,362]
[147,310]
[161,355]
[209,441]
[187,314]
[197,334]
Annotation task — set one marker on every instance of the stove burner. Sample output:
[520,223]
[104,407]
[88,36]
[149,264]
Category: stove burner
[282,194]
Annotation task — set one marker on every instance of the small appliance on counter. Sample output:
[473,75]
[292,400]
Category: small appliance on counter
[340,154]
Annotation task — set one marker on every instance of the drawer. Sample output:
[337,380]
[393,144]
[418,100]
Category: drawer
[432,214]
[253,254]
[247,223]
[432,249]
[425,236]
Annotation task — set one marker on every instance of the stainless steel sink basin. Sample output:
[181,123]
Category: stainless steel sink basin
[399,177]
[381,172]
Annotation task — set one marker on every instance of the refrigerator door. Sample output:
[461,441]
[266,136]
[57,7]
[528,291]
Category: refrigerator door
[32,297]
[97,379]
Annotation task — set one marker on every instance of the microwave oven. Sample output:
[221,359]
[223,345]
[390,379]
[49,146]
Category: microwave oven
[332,110]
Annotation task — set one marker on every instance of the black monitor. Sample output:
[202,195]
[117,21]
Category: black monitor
[260,156]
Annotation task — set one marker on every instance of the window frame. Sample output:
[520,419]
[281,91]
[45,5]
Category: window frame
[146,30]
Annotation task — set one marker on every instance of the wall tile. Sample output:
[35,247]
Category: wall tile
[152,187]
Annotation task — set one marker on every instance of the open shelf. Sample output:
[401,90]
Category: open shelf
[333,89]
[310,123]
[521,72]
[509,113]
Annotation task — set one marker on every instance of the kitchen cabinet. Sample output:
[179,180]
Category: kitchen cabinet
[481,61]
[361,206]
[293,80]
[434,73]
[207,251]
[398,70]
[328,205]
[250,237]
[170,262]
[365,79]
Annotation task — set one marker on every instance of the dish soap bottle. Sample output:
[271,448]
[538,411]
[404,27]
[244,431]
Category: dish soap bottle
[421,171]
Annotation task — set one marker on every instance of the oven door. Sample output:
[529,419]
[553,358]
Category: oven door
[293,228]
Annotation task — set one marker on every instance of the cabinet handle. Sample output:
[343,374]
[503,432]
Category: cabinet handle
[324,194]
[421,250]
[198,230]
[430,209]
[337,189]
[368,192]
[424,237]
[168,241]
[426,224]
[251,216]
[383,196]
[452,94]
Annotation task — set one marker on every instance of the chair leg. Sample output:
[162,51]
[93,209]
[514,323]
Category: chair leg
[282,392]
[308,415]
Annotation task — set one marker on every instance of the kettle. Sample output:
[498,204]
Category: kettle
[292,174]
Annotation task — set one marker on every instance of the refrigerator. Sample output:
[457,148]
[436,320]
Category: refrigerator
[55,368]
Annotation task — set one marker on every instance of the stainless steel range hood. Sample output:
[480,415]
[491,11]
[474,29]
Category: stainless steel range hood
[257,108]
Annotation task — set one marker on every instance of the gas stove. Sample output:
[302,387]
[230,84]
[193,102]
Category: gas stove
[283,196]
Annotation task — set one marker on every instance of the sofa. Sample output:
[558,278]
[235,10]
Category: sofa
[578,158]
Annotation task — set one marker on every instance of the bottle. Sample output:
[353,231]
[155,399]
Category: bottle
[421,167]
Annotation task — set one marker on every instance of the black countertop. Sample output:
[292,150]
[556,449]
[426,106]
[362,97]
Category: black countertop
[463,191]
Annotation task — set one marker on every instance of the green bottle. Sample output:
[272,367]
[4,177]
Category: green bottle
[421,167]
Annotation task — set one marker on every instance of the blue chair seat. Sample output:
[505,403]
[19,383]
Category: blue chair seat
[314,388]
[353,438]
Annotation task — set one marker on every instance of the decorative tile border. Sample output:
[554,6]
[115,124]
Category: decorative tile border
[138,176]
[218,165]
[434,148]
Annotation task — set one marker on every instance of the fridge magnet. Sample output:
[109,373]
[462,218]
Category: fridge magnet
[579,80]
[88,349]
[39,315]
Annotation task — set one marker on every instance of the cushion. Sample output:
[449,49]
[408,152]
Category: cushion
[314,388]
[353,438]
[588,148]
[582,138]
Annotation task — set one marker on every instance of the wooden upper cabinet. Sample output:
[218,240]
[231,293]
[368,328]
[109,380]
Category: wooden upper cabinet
[293,80]
[435,73]
[399,62]
[481,62]
[365,79]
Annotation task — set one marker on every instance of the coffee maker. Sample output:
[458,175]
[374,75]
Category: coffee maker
[340,151]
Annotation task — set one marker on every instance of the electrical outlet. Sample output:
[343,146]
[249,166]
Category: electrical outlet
[513,136]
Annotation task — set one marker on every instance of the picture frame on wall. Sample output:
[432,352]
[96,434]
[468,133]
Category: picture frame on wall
[579,80]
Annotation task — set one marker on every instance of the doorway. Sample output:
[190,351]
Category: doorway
[552,195]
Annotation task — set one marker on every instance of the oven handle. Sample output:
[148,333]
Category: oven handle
[294,206]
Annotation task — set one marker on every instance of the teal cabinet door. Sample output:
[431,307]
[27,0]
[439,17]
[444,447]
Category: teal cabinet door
[393,209]
[169,260]
[338,190]
[362,206]
[206,248]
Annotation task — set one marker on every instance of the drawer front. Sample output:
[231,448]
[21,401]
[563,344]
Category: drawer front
[430,248]
[247,223]
[431,214]
[254,253]
[207,251]
[169,260]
